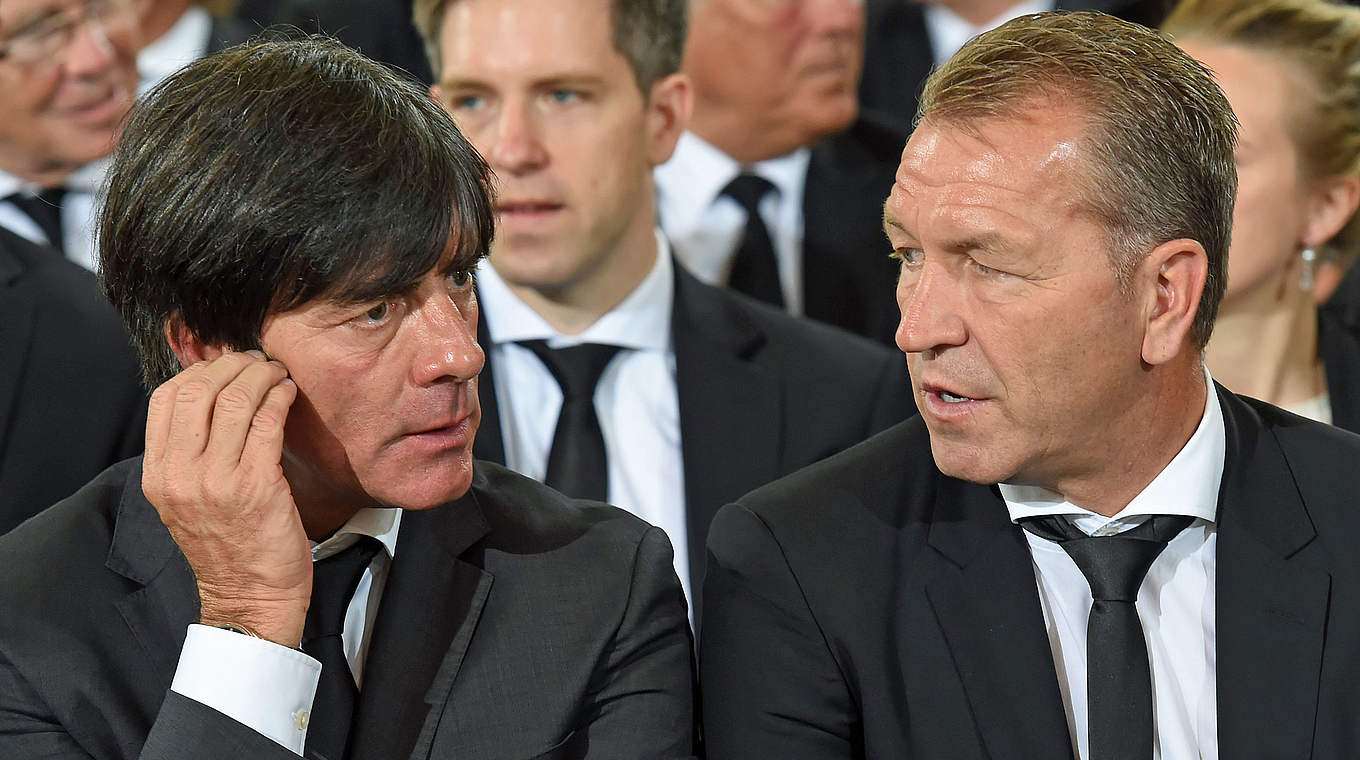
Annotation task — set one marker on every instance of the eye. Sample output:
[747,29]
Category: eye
[564,97]
[466,102]
[911,258]
[987,271]
[461,278]
[378,313]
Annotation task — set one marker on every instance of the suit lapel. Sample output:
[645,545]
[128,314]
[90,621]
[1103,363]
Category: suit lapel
[1271,602]
[985,597]
[16,328]
[428,613]
[488,444]
[723,397]
[159,611]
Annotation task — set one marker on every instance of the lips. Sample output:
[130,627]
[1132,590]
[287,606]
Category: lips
[946,401]
[527,208]
[99,109]
[445,435]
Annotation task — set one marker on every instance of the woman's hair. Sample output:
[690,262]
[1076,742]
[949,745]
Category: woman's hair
[1320,41]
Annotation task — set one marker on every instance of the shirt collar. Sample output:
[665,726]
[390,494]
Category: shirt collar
[183,43]
[1188,485]
[381,523]
[641,321]
[697,171]
[86,179]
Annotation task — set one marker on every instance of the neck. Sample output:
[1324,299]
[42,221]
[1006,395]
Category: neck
[979,12]
[572,307]
[1265,346]
[1133,448]
[746,138]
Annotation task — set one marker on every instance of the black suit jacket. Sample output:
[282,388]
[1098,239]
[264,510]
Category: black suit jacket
[898,55]
[871,607]
[514,624]
[760,393]
[380,29]
[849,280]
[71,401]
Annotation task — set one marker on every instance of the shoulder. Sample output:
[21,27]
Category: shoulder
[65,297]
[56,560]
[530,520]
[880,485]
[809,345]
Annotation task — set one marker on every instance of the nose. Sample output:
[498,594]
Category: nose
[838,17]
[930,317]
[446,344]
[518,146]
[92,49]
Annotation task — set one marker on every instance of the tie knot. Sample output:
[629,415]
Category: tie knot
[577,369]
[747,189]
[333,582]
[1115,565]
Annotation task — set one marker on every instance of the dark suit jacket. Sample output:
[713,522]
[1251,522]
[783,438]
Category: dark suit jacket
[761,394]
[1339,346]
[849,280]
[380,29]
[514,624]
[71,401]
[871,607]
[898,55]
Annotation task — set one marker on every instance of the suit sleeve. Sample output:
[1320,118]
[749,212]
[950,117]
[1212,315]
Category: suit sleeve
[771,687]
[183,728]
[644,707]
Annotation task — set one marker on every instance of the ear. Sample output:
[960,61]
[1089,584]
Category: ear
[1179,269]
[668,109]
[188,348]
[1333,202]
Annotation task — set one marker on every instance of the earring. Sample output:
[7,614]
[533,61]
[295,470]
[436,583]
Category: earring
[1307,273]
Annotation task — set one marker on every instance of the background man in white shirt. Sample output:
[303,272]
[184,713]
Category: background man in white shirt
[778,150]
[290,232]
[707,395]
[1083,548]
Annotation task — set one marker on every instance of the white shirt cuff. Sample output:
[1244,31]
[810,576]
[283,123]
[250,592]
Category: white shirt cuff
[261,684]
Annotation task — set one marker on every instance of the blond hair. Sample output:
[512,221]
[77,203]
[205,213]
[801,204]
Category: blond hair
[1321,41]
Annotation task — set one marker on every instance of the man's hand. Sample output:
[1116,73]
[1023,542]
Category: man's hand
[214,440]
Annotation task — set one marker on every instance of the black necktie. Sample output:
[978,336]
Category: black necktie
[1118,676]
[576,462]
[755,271]
[333,581]
[45,210]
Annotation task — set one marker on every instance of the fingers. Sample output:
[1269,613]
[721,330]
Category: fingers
[235,408]
[263,446]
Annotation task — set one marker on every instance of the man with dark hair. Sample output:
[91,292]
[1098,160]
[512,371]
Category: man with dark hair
[1083,547]
[696,395]
[307,557]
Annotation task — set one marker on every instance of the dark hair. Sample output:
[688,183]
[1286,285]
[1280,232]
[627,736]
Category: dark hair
[1159,133]
[650,34]
[274,174]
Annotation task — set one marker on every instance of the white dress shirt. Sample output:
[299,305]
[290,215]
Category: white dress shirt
[949,31]
[706,226]
[183,43]
[77,212]
[1175,603]
[270,687]
[636,398]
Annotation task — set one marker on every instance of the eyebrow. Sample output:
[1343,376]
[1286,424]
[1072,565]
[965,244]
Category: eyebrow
[555,80]
[891,222]
[26,22]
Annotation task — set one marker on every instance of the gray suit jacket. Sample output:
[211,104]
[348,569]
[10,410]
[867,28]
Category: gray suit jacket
[515,624]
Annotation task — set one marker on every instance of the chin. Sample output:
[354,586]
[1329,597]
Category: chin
[969,462]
